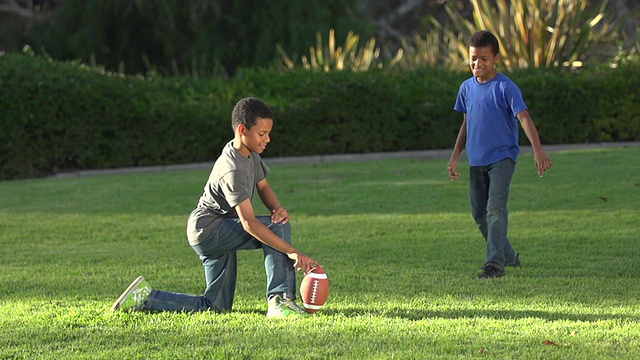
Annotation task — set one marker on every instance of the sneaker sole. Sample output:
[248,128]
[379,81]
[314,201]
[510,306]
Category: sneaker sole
[481,276]
[126,293]
[290,317]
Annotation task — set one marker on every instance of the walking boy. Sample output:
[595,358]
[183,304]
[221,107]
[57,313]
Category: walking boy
[224,222]
[491,103]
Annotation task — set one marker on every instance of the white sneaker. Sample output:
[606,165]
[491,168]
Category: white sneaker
[134,297]
[280,308]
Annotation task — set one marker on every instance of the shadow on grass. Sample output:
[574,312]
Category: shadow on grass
[403,313]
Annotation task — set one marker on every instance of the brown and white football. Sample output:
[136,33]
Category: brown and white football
[314,289]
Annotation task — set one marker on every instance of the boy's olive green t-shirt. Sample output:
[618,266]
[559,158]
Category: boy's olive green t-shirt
[232,180]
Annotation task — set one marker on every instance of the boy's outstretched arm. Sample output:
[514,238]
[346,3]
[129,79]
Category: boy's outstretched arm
[270,200]
[542,160]
[259,231]
[452,167]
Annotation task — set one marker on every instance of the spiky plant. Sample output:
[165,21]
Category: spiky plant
[329,57]
[417,52]
[533,33]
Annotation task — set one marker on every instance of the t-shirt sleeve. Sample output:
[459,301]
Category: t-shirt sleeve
[514,98]
[460,101]
[263,171]
[235,186]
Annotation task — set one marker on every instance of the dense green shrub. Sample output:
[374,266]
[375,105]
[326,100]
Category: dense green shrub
[60,117]
[595,105]
[346,112]
[65,116]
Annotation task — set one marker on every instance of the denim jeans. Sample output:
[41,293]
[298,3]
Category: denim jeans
[489,194]
[218,254]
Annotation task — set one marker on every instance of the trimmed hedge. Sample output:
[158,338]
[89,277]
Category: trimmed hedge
[66,116]
[598,105]
[61,117]
[345,112]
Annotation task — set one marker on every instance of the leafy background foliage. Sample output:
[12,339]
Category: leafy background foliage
[184,37]
[203,38]
[135,83]
[534,33]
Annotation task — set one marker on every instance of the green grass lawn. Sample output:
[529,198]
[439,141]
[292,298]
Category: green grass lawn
[395,237]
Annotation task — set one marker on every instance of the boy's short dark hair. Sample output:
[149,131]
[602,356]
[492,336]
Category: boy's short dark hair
[483,39]
[248,110]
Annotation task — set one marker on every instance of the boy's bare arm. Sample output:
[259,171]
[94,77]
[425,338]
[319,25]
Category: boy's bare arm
[452,167]
[542,160]
[270,200]
[259,231]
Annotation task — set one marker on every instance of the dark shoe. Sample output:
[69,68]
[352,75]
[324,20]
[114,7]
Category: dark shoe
[490,272]
[516,262]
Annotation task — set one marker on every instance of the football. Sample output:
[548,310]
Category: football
[314,289]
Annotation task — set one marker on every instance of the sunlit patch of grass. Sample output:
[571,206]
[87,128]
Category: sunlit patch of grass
[395,237]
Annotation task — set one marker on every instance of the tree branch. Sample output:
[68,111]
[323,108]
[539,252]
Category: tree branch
[395,14]
[12,7]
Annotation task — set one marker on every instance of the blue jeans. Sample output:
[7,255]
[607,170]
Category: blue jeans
[219,258]
[489,194]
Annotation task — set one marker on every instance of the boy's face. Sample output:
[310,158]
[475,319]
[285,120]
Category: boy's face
[482,62]
[256,138]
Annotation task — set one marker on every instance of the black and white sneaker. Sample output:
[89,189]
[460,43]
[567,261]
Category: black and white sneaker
[516,262]
[490,272]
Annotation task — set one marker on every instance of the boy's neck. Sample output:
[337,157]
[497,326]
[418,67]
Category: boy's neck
[239,146]
[488,77]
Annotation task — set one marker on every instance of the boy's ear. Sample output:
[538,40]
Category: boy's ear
[241,129]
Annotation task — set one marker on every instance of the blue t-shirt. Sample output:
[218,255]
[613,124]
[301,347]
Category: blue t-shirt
[492,125]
